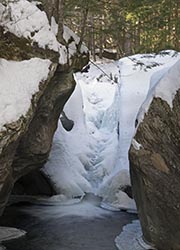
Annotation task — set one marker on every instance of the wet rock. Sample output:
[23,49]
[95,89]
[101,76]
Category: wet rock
[155,166]
[66,122]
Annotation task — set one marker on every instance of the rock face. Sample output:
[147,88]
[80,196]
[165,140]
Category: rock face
[25,143]
[155,164]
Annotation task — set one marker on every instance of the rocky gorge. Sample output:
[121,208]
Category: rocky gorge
[40,98]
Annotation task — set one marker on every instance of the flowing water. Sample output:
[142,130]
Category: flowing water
[83,226]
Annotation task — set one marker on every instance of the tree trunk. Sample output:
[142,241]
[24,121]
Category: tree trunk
[60,19]
[93,52]
[54,8]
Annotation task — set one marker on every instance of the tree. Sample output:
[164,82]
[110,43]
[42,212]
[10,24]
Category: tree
[132,26]
[55,8]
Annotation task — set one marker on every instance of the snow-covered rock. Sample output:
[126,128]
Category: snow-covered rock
[155,165]
[22,85]
[36,79]
[15,99]
[25,19]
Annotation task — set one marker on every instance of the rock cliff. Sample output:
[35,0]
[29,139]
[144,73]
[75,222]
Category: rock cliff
[155,162]
[30,55]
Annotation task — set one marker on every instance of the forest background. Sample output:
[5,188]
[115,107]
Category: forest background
[117,28]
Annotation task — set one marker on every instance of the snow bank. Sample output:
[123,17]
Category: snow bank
[67,161]
[131,238]
[135,84]
[114,196]
[164,84]
[25,19]
[19,81]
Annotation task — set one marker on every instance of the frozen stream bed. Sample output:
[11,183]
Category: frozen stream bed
[83,226]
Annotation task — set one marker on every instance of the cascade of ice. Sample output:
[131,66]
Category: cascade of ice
[93,156]
[105,144]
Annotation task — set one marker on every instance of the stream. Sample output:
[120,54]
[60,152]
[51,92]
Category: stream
[82,226]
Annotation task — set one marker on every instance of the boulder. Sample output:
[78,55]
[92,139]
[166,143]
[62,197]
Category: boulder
[155,162]
[27,40]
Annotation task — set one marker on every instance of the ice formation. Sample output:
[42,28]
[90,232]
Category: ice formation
[9,233]
[131,238]
[94,154]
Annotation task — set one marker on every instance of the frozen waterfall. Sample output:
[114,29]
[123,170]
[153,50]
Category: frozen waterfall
[93,156]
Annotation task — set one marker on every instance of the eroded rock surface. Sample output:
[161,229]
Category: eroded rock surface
[155,164]
[25,144]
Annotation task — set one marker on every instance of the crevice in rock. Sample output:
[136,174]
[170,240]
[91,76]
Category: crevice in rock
[34,183]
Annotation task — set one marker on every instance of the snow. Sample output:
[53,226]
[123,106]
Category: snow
[93,156]
[136,145]
[54,26]
[25,19]
[66,171]
[68,155]
[112,192]
[162,87]
[68,34]
[19,81]
[131,238]
[135,84]
[165,89]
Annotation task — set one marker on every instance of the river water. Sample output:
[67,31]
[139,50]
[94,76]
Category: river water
[83,226]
